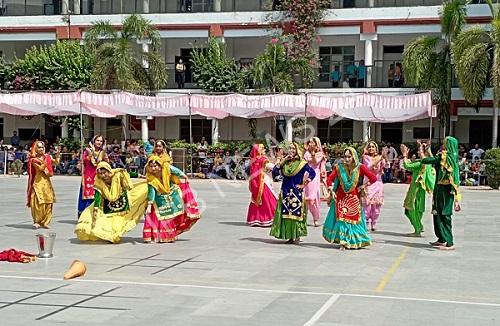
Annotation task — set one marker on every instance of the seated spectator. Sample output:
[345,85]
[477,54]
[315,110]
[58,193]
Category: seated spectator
[476,153]
[115,159]
[229,164]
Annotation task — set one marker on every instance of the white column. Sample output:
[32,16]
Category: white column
[289,130]
[366,131]
[65,7]
[217,5]
[145,6]
[64,129]
[145,49]
[76,7]
[144,129]
[368,62]
[371,3]
[215,131]
[494,140]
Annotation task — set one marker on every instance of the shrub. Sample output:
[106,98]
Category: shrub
[492,159]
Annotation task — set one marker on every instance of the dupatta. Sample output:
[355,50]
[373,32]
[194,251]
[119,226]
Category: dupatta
[120,179]
[348,209]
[256,180]
[32,171]
[161,185]
[291,168]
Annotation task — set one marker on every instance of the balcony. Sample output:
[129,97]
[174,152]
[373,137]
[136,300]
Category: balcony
[104,7]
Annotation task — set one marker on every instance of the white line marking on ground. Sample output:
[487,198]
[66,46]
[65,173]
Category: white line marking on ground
[249,290]
[322,310]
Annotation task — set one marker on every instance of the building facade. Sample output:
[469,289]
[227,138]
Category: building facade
[375,31]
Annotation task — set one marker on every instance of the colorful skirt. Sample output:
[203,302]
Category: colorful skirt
[263,214]
[167,230]
[349,235]
[111,226]
[83,203]
[286,228]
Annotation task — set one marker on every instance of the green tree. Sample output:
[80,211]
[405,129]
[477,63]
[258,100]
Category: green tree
[273,70]
[64,65]
[476,52]
[427,60]
[118,58]
[213,70]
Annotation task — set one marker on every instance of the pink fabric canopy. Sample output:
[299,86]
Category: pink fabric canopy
[364,107]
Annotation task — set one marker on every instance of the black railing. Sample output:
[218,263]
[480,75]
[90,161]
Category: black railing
[104,7]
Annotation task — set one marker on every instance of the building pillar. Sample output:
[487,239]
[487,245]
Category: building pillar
[65,128]
[145,128]
[65,7]
[289,130]
[217,5]
[371,3]
[366,131]
[215,131]
[368,38]
[76,7]
[145,6]
[145,49]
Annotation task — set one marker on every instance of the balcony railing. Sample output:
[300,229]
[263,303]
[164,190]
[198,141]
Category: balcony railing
[100,7]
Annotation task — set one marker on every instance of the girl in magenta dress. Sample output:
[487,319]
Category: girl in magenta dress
[375,192]
[263,202]
[316,160]
[92,155]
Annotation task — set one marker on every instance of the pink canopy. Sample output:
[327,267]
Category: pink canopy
[364,107]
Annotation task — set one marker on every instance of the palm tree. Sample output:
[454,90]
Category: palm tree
[119,60]
[476,52]
[427,60]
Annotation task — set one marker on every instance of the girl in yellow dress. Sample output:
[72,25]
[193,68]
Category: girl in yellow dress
[118,206]
[40,194]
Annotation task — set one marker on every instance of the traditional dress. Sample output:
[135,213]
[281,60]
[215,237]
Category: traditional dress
[345,223]
[116,209]
[40,193]
[312,190]
[173,207]
[422,181]
[263,202]
[290,217]
[91,158]
[375,192]
[445,192]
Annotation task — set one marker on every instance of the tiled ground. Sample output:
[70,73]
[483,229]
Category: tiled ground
[225,273]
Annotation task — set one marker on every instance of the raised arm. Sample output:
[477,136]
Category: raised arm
[431,160]
[411,166]
[366,172]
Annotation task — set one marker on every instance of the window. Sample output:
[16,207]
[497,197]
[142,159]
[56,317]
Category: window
[334,56]
[202,5]
[29,134]
[422,133]
[201,128]
[340,131]
[392,132]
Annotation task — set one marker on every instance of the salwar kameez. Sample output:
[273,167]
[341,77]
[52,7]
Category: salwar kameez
[312,190]
[263,199]
[40,194]
[446,191]
[422,182]
[345,223]
[290,216]
[117,208]
[375,192]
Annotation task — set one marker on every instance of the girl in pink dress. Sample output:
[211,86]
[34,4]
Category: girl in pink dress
[263,202]
[316,160]
[375,192]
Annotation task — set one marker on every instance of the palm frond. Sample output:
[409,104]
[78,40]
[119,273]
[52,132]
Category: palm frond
[100,31]
[137,27]
[468,38]
[453,14]
[473,68]
[418,60]
[157,71]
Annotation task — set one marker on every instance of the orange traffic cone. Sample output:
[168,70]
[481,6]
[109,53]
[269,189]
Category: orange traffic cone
[76,269]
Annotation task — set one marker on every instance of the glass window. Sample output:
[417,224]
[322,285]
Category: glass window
[340,131]
[200,128]
[334,56]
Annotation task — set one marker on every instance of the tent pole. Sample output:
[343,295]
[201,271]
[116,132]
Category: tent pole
[81,133]
[190,135]
[305,117]
[430,129]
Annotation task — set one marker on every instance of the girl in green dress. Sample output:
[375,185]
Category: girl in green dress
[422,182]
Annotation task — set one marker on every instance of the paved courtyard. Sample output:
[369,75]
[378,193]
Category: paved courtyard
[225,273]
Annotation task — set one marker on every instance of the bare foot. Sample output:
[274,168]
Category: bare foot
[290,241]
[316,224]
[373,229]
[446,248]
[36,225]
[342,248]
[296,241]
[414,234]
[437,244]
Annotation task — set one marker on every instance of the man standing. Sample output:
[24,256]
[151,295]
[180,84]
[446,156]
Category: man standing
[180,74]
[361,73]
[149,146]
[14,140]
[476,153]
[336,77]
